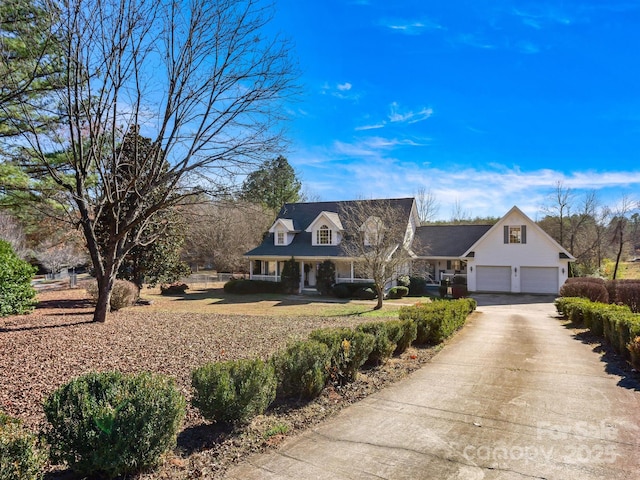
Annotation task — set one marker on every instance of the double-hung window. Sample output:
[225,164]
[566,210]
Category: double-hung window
[515,234]
[324,235]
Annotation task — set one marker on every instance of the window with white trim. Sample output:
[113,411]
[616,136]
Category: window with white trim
[324,235]
[515,234]
[280,238]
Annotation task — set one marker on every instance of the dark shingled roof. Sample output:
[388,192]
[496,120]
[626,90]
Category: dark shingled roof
[302,215]
[447,240]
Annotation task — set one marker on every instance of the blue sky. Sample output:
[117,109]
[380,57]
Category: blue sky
[486,103]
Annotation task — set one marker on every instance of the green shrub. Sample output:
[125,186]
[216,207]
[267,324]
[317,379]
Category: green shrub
[17,296]
[174,289]
[398,292]
[349,350]
[110,424]
[403,281]
[438,320]
[340,290]
[402,333]
[383,346]
[365,294]
[21,456]
[634,351]
[124,293]
[245,287]
[234,391]
[290,277]
[302,369]
[326,277]
[417,286]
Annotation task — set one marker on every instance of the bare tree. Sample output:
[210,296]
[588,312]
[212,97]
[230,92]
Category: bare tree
[377,237]
[198,78]
[56,256]
[220,233]
[561,201]
[458,214]
[620,227]
[427,205]
[11,231]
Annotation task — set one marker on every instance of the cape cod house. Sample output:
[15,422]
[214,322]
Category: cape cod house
[513,255]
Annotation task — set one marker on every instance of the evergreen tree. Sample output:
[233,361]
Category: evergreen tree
[272,185]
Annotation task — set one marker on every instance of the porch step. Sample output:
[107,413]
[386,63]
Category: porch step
[310,291]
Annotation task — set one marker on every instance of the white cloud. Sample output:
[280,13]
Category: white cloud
[343,87]
[411,27]
[370,168]
[396,114]
[371,127]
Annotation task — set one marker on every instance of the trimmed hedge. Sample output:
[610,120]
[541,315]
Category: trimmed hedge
[383,345]
[110,424]
[616,323]
[407,332]
[234,391]
[302,369]
[593,290]
[398,292]
[244,287]
[438,320]
[625,292]
[354,290]
[21,456]
[349,350]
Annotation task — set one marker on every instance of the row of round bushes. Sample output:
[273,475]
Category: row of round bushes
[619,326]
[111,424]
[624,292]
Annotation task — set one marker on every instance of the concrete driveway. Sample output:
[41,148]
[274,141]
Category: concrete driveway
[514,395]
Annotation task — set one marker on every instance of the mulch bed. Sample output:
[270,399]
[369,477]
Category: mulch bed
[58,341]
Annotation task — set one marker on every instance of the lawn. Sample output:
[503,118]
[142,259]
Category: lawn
[212,299]
[58,341]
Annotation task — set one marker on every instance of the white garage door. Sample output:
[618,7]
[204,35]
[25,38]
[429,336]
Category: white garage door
[539,280]
[493,279]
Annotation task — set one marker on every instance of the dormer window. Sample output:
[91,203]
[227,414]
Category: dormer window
[280,238]
[324,235]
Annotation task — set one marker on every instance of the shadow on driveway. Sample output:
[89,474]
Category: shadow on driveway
[489,299]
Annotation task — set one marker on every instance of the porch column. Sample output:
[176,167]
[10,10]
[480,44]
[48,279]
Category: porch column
[352,272]
[251,269]
[301,282]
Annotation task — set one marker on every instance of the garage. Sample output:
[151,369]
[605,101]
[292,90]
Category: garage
[493,279]
[539,280]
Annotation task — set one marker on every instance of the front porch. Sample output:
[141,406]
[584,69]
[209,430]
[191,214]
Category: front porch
[271,271]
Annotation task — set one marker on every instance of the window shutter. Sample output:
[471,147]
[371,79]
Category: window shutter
[524,234]
[506,234]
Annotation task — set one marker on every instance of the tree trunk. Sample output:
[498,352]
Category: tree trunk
[103,305]
[620,248]
[380,293]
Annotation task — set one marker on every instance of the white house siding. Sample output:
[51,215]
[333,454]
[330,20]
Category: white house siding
[539,250]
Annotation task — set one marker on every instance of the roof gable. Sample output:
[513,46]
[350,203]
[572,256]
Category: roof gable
[286,224]
[331,219]
[522,218]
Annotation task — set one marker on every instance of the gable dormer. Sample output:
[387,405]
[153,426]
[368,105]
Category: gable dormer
[283,232]
[326,229]
[372,230]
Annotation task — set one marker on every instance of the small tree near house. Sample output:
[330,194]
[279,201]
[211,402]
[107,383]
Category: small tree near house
[376,234]
[290,277]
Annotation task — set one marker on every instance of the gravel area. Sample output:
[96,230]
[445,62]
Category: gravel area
[43,350]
